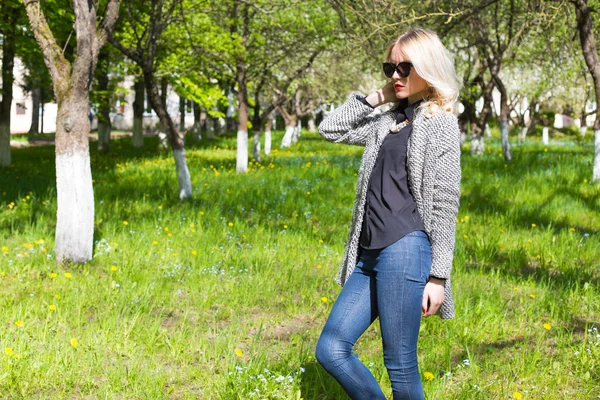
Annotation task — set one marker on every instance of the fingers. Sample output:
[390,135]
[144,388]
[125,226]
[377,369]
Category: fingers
[432,300]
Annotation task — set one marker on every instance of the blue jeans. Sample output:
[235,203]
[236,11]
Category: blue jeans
[387,283]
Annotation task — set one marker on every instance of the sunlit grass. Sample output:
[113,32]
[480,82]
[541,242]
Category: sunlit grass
[224,296]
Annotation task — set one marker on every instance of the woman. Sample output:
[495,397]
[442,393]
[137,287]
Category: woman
[400,247]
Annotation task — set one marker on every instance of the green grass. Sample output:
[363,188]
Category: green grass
[224,296]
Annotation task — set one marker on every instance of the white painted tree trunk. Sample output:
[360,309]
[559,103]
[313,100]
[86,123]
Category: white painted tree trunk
[75,207]
[242,151]
[183,174]
[287,137]
[523,133]
[582,131]
[504,138]
[463,138]
[138,133]
[311,125]
[545,135]
[477,145]
[104,130]
[297,132]
[210,128]
[268,142]
[596,176]
[256,145]
[488,131]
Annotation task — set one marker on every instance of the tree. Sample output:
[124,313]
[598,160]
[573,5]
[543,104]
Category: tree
[75,210]
[143,44]
[11,14]
[585,28]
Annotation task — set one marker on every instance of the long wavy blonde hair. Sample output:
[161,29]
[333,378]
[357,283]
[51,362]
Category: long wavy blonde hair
[433,62]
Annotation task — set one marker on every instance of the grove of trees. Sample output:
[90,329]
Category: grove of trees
[245,60]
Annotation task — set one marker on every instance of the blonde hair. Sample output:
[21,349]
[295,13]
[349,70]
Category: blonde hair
[433,62]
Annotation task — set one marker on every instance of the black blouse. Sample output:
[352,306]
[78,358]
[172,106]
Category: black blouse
[390,209]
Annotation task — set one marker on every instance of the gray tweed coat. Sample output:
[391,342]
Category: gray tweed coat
[433,177]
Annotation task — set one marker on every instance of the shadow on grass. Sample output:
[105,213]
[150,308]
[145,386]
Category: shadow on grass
[317,384]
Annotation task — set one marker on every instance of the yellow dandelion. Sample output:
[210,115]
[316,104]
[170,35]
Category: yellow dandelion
[201,213]
[19,323]
[547,326]
[285,227]
[324,299]
[194,253]
[465,237]
[501,230]
[239,352]
[466,217]
[52,307]
[319,266]
[572,230]
[3,274]
[160,207]
[74,342]
[532,296]
[585,181]
[17,356]
[67,275]
[155,242]
[428,376]
[57,296]
[169,234]
[125,223]
[53,275]
[538,257]
[320,241]
[501,246]
[166,229]
[533,225]
[8,351]
[191,225]
[517,395]
[4,248]
[230,224]
[462,220]
[113,268]
[307,193]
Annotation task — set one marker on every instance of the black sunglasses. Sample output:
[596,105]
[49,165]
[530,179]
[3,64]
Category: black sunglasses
[403,69]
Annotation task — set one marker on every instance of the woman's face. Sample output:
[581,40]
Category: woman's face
[414,87]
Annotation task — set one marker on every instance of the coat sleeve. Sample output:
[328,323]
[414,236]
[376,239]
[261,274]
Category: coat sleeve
[446,197]
[349,123]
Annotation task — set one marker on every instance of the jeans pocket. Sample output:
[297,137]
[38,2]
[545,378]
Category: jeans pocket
[425,256]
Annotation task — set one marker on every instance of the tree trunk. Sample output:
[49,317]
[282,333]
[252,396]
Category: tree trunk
[75,206]
[545,138]
[311,123]
[504,117]
[268,126]
[10,15]
[291,124]
[478,129]
[181,114]
[297,131]
[197,129]
[585,26]
[242,132]
[104,125]
[137,138]
[36,97]
[596,174]
[229,122]
[211,123]
[159,105]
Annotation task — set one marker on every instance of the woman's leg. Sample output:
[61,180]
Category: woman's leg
[402,271]
[353,312]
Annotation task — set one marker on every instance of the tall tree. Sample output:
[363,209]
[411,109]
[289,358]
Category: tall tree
[10,14]
[142,43]
[75,210]
[585,27]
